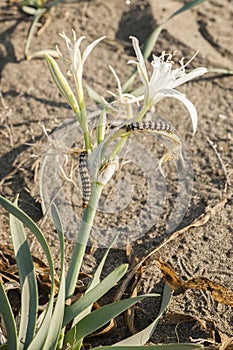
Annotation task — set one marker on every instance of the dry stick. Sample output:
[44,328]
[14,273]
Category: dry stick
[200,221]
[214,147]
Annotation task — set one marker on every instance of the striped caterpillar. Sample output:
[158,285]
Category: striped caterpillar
[85,178]
[151,125]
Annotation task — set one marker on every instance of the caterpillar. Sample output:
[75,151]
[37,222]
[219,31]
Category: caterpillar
[151,125]
[85,178]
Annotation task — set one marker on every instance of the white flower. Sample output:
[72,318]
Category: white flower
[123,98]
[75,60]
[164,80]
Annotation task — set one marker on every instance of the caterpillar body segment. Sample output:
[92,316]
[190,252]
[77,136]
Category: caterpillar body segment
[152,125]
[85,178]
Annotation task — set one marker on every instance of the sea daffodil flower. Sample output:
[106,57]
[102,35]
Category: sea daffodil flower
[75,60]
[164,80]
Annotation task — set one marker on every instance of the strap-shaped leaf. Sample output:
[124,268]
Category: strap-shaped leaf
[40,336]
[100,317]
[179,346]
[95,281]
[7,314]
[144,335]
[94,294]
[29,294]
[58,313]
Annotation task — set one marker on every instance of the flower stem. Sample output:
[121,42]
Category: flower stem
[82,239]
[142,112]
[116,151]
[84,125]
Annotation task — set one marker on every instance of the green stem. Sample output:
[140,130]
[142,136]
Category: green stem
[116,151]
[142,112]
[86,134]
[82,239]
[36,19]
[87,140]
[83,121]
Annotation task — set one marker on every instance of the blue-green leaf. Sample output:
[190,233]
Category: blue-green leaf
[100,317]
[179,346]
[94,282]
[144,335]
[58,313]
[8,316]
[40,336]
[94,294]
[29,294]
[151,41]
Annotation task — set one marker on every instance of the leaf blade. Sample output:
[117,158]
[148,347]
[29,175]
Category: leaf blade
[6,310]
[40,336]
[140,338]
[29,293]
[100,317]
[94,294]
[179,346]
[58,312]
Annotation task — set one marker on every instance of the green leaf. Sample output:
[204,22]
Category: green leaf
[100,317]
[94,294]
[225,71]
[9,321]
[82,239]
[179,346]
[138,91]
[94,95]
[29,294]
[37,15]
[58,313]
[96,277]
[29,10]
[28,222]
[186,7]
[129,83]
[151,41]
[40,336]
[95,281]
[101,127]
[62,84]
[143,336]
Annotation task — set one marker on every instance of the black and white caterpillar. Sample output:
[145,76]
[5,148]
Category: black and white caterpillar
[151,125]
[85,178]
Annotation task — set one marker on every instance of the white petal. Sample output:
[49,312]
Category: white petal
[76,59]
[117,80]
[189,76]
[142,76]
[139,55]
[67,40]
[182,98]
[90,48]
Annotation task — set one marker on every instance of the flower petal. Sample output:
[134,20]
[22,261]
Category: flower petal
[90,48]
[182,98]
[189,76]
[139,55]
[76,58]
